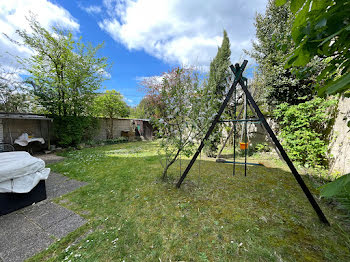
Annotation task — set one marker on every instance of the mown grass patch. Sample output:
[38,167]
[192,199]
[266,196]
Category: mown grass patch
[134,216]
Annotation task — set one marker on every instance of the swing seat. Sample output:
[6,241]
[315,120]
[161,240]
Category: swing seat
[243,145]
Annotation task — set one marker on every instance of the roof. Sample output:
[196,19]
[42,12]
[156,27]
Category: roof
[123,118]
[24,116]
[4,115]
[137,119]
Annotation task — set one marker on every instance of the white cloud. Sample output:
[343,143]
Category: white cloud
[104,73]
[157,79]
[13,16]
[130,101]
[92,9]
[181,31]
[10,74]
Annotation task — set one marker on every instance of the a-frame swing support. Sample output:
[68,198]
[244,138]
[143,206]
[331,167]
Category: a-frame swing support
[238,71]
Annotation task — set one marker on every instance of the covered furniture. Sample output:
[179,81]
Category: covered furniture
[38,128]
[22,180]
[24,140]
[27,141]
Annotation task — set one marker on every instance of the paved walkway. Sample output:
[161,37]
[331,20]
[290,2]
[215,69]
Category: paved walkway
[32,229]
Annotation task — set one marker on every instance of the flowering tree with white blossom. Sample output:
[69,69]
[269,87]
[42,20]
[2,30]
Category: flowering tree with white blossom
[184,113]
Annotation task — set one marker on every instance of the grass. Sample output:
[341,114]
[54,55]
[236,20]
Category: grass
[133,216]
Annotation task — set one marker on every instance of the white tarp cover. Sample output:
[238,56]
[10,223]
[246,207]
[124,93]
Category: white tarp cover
[20,172]
[24,140]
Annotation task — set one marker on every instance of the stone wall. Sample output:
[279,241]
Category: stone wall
[123,125]
[340,144]
[119,125]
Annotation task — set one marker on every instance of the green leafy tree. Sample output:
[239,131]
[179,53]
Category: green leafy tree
[181,119]
[110,105]
[145,109]
[219,68]
[64,72]
[13,97]
[305,129]
[274,42]
[216,88]
[12,100]
[152,104]
[322,28]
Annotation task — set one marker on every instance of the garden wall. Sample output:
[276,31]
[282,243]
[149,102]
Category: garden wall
[124,125]
[340,144]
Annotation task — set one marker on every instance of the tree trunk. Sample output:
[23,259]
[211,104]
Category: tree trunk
[112,128]
[170,163]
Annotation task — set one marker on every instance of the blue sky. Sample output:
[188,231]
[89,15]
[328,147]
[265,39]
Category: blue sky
[143,38]
[128,65]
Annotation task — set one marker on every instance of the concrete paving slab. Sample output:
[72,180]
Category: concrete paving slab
[27,248]
[17,232]
[58,185]
[64,227]
[47,215]
[9,222]
[32,229]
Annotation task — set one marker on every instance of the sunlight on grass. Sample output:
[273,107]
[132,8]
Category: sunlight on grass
[134,216]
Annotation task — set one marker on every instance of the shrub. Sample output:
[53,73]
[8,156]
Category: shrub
[305,129]
[339,190]
[72,130]
[262,147]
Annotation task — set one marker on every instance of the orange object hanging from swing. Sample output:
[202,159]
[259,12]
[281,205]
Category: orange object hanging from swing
[243,145]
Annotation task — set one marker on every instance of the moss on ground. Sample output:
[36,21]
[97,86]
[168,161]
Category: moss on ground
[134,216]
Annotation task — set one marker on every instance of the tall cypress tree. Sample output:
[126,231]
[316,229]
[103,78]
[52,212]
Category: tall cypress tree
[216,87]
[218,67]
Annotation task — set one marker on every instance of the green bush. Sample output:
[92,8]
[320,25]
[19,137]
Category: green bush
[305,129]
[262,147]
[72,130]
[339,189]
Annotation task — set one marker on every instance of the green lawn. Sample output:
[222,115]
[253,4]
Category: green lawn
[134,216]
